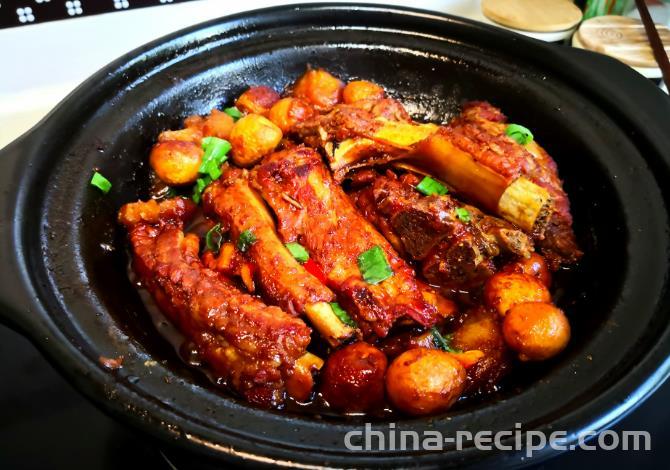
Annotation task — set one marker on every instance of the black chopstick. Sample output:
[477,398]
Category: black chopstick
[655,40]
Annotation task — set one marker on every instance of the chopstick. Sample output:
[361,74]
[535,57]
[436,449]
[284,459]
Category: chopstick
[654,40]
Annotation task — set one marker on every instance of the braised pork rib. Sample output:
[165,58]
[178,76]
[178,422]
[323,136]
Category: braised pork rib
[313,210]
[252,346]
[453,253]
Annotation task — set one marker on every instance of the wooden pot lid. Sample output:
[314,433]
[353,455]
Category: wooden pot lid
[622,38]
[533,15]
[648,72]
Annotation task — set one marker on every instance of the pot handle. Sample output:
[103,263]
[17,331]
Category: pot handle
[18,306]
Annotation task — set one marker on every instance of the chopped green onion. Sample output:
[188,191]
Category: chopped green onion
[233,112]
[520,134]
[430,186]
[463,214]
[215,154]
[373,265]
[213,239]
[298,251]
[247,238]
[342,315]
[200,185]
[442,342]
[101,182]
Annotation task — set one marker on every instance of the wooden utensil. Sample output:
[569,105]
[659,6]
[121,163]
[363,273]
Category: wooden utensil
[655,40]
[622,38]
[533,15]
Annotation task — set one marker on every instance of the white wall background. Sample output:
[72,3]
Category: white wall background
[44,62]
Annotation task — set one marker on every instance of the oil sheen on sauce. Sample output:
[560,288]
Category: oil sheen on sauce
[187,352]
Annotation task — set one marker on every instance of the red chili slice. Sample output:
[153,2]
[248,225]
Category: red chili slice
[315,270]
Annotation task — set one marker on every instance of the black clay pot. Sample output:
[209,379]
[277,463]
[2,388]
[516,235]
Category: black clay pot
[64,281]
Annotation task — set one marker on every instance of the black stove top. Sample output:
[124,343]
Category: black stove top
[46,424]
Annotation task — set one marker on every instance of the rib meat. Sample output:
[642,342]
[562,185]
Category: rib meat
[452,253]
[253,347]
[472,154]
[351,136]
[313,210]
[480,131]
[282,278]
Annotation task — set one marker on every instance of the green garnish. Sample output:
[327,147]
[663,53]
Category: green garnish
[200,185]
[442,342]
[522,135]
[430,186]
[215,154]
[373,265]
[247,238]
[213,239]
[298,251]
[101,182]
[463,214]
[233,112]
[342,315]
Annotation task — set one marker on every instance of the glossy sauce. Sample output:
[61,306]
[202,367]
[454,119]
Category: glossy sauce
[187,352]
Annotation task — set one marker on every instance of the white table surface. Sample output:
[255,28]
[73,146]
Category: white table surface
[48,60]
[44,62]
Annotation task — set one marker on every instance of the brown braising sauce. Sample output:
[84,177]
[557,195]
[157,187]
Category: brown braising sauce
[316,406]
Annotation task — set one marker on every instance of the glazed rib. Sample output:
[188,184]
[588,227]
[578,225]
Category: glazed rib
[253,347]
[283,280]
[351,136]
[314,211]
[453,254]
[472,154]
[480,131]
